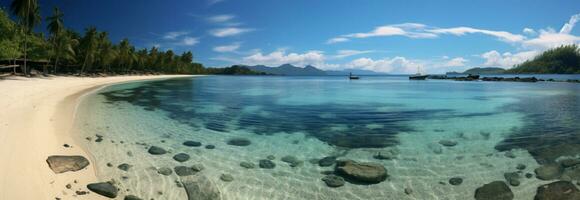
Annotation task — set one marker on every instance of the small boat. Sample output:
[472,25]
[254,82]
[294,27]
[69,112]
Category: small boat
[418,75]
[351,77]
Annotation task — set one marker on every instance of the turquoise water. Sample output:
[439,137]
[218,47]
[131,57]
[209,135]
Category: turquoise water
[315,117]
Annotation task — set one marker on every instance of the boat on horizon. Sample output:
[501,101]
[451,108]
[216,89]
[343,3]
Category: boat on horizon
[351,77]
[418,75]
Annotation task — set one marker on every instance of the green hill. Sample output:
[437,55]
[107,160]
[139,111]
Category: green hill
[561,60]
[485,70]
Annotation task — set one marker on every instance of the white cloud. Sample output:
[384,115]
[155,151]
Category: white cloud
[550,40]
[456,62]
[567,28]
[230,31]
[507,59]
[460,31]
[348,53]
[174,35]
[227,48]
[529,31]
[212,2]
[220,18]
[337,40]
[396,65]
[189,41]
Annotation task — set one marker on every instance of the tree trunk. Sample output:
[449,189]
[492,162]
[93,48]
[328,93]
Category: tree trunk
[24,69]
[55,64]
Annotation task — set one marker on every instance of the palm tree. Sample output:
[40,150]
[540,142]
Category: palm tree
[64,48]
[126,56]
[107,52]
[28,12]
[56,28]
[90,47]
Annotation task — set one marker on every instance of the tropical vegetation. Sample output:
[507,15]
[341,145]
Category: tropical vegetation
[561,60]
[62,50]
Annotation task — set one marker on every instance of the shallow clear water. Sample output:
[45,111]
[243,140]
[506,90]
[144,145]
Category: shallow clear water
[314,117]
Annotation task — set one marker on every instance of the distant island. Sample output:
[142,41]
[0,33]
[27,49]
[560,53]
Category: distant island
[309,70]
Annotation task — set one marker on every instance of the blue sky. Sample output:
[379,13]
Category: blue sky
[386,36]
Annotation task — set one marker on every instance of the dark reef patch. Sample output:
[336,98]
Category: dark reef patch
[551,127]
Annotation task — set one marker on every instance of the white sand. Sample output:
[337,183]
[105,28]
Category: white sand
[36,115]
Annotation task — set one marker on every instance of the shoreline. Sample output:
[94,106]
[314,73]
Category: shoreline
[37,119]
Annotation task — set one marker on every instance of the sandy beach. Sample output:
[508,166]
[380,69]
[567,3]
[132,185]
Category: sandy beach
[35,122]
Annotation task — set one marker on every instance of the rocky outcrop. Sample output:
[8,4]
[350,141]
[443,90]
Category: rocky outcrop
[61,164]
[549,171]
[181,157]
[361,173]
[104,189]
[266,164]
[559,190]
[497,190]
[199,187]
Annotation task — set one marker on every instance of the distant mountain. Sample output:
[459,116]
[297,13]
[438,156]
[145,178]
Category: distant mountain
[485,70]
[288,70]
[353,71]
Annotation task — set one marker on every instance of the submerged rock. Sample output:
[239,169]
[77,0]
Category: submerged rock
[124,167]
[367,173]
[521,167]
[61,164]
[570,162]
[549,171]
[184,171]
[293,161]
[197,167]
[559,190]
[327,161]
[435,148]
[386,155]
[226,177]
[181,157]
[166,171]
[132,197]
[497,190]
[104,189]
[513,178]
[455,181]
[192,143]
[448,143]
[200,187]
[266,164]
[248,165]
[239,142]
[155,150]
[333,181]
[209,146]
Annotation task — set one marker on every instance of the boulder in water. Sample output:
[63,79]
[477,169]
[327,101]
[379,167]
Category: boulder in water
[166,171]
[448,143]
[513,178]
[327,161]
[104,189]
[559,190]
[266,164]
[184,171]
[455,181]
[132,197]
[366,173]
[226,177]
[61,164]
[200,187]
[549,171]
[124,167]
[496,190]
[248,165]
[155,150]
[333,181]
[239,142]
[190,143]
[181,157]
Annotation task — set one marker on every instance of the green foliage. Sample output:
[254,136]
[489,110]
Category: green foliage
[92,52]
[561,60]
